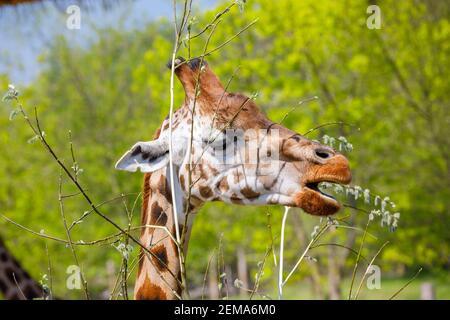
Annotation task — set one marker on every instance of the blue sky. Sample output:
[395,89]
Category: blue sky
[27,30]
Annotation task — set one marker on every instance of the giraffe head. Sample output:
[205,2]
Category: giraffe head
[236,154]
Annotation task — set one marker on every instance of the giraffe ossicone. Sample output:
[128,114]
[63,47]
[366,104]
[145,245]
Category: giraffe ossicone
[224,149]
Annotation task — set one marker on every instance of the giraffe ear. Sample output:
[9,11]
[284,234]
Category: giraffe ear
[146,156]
[197,70]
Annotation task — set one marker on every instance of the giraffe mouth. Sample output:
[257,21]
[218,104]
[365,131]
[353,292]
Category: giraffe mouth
[313,200]
[316,187]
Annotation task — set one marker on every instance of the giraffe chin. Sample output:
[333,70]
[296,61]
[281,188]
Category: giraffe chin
[316,203]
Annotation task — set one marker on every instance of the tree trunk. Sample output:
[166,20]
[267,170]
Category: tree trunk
[213,284]
[427,291]
[242,270]
[229,287]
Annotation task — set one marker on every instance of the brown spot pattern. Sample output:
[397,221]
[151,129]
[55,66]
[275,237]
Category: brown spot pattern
[235,199]
[249,193]
[158,216]
[159,257]
[183,187]
[150,291]
[223,185]
[205,192]
[145,198]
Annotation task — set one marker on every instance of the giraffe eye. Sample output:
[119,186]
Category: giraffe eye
[296,138]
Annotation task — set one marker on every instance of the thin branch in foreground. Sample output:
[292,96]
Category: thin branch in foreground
[326,125]
[18,287]
[259,274]
[296,106]
[357,260]
[40,135]
[280,266]
[337,245]
[206,273]
[367,269]
[69,238]
[50,272]
[406,284]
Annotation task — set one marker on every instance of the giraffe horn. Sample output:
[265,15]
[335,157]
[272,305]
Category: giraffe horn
[197,70]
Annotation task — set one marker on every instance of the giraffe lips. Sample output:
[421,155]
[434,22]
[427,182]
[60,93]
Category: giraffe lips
[316,202]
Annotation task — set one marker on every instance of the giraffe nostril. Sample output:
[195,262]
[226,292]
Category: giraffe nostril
[322,153]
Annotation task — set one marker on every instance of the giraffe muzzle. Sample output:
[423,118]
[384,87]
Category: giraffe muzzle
[311,198]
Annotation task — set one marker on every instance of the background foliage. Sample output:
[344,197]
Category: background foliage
[391,85]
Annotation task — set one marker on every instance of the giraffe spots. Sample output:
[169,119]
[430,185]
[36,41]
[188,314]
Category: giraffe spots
[249,193]
[3,286]
[163,188]
[150,291]
[182,180]
[3,256]
[14,278]
[191,207]
[30,293]
[182,183]
[161,184]
[10,275]
[205,192]
[145,198]
[158,216]
[223,185]
[203,174]
[159,257]
[235,199]
[15,296]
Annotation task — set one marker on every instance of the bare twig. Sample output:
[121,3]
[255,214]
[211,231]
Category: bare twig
[406,284]
[206,273]
[367,269]
[357,259]
[69,238]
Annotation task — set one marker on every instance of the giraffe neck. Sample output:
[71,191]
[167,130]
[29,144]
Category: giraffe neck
[15,282]
[159,274]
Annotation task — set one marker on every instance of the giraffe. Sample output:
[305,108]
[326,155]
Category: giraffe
[15,282]
[223,149]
